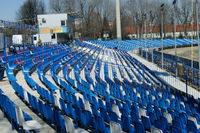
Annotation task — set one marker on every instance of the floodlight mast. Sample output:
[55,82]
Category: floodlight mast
[174,3]
[192,57]
[145,37]
[197,13]
[151,24]
[118,20]
[162,9]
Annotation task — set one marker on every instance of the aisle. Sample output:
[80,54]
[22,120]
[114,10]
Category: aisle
[169,79]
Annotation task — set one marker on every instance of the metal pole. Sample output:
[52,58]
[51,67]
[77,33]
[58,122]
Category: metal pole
[197,9]
[141,40]
[162,36]
[4,44]
[118,20]
[192,39]
[138,39]
[174,3]
[152,38]
[146,37]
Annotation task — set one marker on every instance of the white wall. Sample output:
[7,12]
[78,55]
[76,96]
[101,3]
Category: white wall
[52,20]
[46,38]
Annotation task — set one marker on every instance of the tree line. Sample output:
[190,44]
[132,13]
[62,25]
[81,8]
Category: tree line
[98,16]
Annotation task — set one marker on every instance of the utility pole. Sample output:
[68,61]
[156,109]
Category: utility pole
[118,20]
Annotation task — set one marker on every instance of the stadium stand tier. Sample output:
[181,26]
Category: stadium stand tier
[93,87]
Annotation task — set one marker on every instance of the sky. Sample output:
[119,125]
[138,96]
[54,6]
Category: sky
[8,9]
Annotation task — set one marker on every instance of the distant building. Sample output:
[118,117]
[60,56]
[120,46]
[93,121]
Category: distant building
[78,24]
[111,25]
[55,28]
[13,32]
[181,30]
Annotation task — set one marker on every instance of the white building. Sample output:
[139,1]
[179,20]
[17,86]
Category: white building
[55,28]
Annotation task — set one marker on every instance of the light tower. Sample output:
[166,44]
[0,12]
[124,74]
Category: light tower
[118,20]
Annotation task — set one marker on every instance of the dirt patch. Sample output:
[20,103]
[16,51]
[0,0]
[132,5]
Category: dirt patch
[185,52]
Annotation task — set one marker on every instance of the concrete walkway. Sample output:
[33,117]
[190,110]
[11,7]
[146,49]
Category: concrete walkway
[9,91]
[174,82]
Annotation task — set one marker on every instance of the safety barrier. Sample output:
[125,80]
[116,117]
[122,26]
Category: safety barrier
[184,71]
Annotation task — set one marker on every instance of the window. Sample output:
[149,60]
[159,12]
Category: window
[62,23]
[43,20]
[53,36]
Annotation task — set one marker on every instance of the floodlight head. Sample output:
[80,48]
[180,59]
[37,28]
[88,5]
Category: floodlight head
[144,15]
[174,2]
[162,7]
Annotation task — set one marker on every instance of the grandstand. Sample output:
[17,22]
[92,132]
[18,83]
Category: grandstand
[113,86]
[93,87]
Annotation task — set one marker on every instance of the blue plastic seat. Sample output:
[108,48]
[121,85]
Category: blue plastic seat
[36,104]
[191,127]
[101,125]
[94,102]
[50,112]
[104,115]
[94,110]
[114,117]
[78,113]
[152,117]
[81,104]
[62,94]
[71,111]
[63,106]
[139,128]
[86,119]
[162,124]
[75,101]
[146,122]
[108,106]
[126,124]
[101,104]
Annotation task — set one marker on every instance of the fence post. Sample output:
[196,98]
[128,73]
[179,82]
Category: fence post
[186,85]
[4,44]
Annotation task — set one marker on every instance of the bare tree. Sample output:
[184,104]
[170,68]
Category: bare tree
[70,5]
[57,6]
[185,14]
[28,12]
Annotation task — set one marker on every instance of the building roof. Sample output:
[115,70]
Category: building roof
[168,28]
